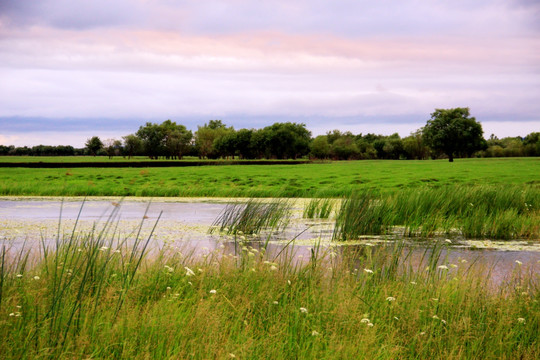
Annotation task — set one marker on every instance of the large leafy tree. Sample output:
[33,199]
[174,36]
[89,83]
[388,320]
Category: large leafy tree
[207,134]
[453,132]
[166,139]
[93,145]
[286,140]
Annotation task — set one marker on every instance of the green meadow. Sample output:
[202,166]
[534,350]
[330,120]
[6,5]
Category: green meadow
[332,179]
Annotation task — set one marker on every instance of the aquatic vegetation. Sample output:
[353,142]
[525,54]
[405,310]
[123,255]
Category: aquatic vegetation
[253,216]
[319,208]
[471,211]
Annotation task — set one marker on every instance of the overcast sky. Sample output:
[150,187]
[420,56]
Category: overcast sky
[73,69]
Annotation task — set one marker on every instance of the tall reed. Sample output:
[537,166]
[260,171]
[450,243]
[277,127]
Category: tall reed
[253,216]
[473,212]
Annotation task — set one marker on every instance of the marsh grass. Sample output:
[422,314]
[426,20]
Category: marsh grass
[97,295]
[253,216]
[319,208]
[471,211]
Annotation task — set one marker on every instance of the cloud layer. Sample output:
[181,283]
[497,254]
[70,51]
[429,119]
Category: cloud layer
[351,63]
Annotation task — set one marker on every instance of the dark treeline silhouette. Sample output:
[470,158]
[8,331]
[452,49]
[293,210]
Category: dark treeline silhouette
[215,140]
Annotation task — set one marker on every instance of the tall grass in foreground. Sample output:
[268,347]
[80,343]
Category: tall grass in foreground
[474,212]
[95,296]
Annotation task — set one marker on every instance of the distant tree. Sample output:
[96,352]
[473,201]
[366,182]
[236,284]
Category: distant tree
[453,132]
[320,148]
[153,139]
[113,147]
[287,140]
[344,148]
[132,145]
[206,135]
[244,144]
[532,144]
[93,145]
[226,145]
[414,147]
[177,139]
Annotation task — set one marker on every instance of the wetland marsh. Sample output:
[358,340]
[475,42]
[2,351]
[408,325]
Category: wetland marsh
[438,269]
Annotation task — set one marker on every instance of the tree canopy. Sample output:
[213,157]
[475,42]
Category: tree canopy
[453,132]
[94,144]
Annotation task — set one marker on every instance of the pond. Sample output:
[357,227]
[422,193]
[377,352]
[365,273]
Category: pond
[185,224]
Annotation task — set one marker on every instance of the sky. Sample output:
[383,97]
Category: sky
[70,70]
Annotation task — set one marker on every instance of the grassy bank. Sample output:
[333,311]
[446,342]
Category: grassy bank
[98,297]
[309,180]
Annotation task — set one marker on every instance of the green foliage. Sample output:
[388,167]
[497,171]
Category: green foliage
[93,145]
[167,139]
[286,140]
[209,135]
[320,148]
[453,132]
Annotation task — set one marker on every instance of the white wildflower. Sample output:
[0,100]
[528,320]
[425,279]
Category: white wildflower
[390,298]
[443,267]
[365,321]
[315,333]
[213,291]
[273,267]
[19,275]
[189,272]
[36,277]
[519,262]
[368,271]
[303,310]
[521,320]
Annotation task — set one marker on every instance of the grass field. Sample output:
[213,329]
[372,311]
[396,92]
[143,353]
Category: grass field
[98,298]
[309,180]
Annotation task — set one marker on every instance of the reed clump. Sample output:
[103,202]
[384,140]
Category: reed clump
[319,208]
[253,216]
[510,212]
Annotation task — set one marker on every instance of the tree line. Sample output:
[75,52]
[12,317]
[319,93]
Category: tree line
[449,133]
